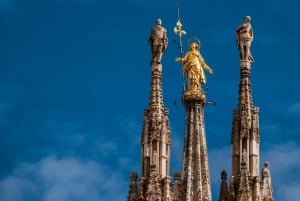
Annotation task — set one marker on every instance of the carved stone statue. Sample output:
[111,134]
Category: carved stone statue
[244,157]
[244,37]
[158,41]
[154,157]
[266,171]
[266,184]
[193,67]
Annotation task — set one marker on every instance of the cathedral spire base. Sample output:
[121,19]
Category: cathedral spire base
[194,95]
[195,170]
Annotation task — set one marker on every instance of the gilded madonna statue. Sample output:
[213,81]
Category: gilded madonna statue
[194,66]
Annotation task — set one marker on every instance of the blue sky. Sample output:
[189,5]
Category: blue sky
[75,78]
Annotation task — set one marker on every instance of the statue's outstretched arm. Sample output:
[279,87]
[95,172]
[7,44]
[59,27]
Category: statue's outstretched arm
[205,66]
[181,59]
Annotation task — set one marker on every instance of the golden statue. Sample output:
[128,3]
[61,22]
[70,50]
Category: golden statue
[193,65]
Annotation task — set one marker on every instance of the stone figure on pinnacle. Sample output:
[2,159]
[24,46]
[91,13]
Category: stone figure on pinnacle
[244,38]
[159,42]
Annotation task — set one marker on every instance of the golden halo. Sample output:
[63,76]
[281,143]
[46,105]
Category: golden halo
[194,40]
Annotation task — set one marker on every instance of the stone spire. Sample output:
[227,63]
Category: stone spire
[177,189]
[195,171]
[223,189]
[156,140]
[155,181]
[245,137]
[133,188]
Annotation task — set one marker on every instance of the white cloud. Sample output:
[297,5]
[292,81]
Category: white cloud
[15,189]
[285,162]
[105,147]
[70,179]
[289,193]
[284,159]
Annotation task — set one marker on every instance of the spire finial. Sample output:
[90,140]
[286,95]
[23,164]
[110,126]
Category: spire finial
[178,29]
[180,32]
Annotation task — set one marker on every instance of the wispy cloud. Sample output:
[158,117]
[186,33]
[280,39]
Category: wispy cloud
[106,148]
[53,179]
[285,161]
[284,158]
[294,108]
[16,188]
[288,193]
